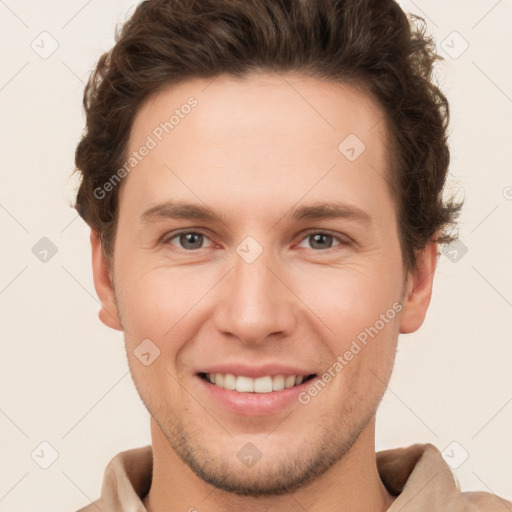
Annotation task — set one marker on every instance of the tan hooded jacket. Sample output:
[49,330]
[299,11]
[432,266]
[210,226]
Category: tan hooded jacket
[418,475]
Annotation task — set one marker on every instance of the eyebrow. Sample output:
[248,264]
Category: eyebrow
[317,211]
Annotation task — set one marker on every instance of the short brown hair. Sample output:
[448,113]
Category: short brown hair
[370,43]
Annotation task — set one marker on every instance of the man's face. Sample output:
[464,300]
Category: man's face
[260,287]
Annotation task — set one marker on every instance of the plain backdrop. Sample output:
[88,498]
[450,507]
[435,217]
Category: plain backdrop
[64,375]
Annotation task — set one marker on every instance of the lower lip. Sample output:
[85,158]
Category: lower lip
[254,404]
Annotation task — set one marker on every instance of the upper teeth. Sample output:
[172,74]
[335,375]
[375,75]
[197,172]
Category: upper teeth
[244,384]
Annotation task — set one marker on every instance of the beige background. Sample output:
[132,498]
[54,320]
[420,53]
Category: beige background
[64,376]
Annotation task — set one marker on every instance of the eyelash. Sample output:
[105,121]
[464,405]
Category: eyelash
[342,241]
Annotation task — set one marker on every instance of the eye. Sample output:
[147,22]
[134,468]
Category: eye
[323,240]
[188,240]
[193,240]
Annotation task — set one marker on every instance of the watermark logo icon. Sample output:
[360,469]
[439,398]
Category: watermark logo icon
[455,251]
[454,45]
[455,455]
[44,455]
[249,249]
[249,455]
[351,147]
[45,45]
[146,352]
[44,250]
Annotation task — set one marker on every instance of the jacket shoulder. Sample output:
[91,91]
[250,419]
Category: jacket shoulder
[482,502]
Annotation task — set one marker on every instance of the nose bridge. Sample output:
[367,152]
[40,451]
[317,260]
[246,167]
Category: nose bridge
[255,303]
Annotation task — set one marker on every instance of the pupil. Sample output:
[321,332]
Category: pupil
[320,237]
[189,237]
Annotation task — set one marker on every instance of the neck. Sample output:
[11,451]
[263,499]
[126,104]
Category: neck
[352,483]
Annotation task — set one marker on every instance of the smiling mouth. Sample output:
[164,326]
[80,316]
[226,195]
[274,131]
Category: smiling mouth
[266,384]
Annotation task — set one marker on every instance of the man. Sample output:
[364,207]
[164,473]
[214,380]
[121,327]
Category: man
[263,183]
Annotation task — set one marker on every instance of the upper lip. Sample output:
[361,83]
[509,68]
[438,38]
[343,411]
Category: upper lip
[254,372]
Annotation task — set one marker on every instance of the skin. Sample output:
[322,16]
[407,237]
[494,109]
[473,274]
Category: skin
[252,150]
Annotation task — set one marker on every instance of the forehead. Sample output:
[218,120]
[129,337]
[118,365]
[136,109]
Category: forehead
[262,134]
[289,106]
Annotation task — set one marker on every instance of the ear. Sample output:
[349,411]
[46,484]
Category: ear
[419,290]
[108,314]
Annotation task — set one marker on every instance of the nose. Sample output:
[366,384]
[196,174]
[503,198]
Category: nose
[256,302]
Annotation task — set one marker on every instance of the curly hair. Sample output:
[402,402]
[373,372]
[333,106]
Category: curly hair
[371,44]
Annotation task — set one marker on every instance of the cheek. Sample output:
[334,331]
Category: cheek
[346,298]
[359,310]
[156,301]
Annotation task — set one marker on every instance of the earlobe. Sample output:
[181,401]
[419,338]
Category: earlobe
[108,314]
[419,290]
